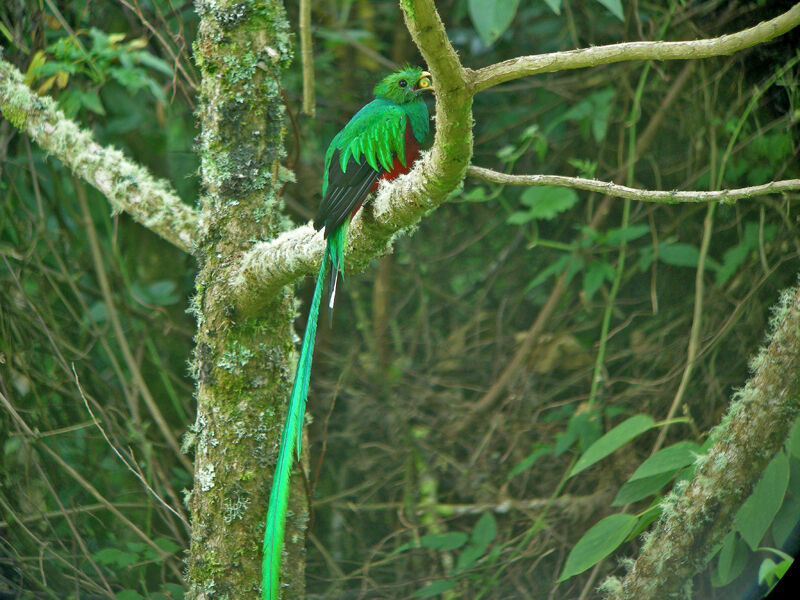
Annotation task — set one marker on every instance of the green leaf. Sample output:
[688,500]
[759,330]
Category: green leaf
[155,63]
[164,292]
[519,218]
[765,571]
[435,588]
[476,194]
[633,491]
[483,534]
[167,545]
[787,518]
[175,591]
[584,427]
[644,520]
[759,510]
[115,557]
[443,541]
[731,562]
[679,255]
[596,273]
[597,543]
[485,530]
[526,463]
[555,5]
[668,460]
[468,557]
[618,235]
[613,440]
[129,595]
[492,17]
[546,202]
[550,270]
[91,100]
[769,572]
[615,6]
[735,256]
[602,102]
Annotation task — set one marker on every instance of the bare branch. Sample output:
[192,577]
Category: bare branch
[620,191]
[524,66]
[396,206]
[127,186]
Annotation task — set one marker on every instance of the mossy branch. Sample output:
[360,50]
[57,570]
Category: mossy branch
[620,191]
[753,431]
[128,186]
[525,66]
[397,206]
[270,265]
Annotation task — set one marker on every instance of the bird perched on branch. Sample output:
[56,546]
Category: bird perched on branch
[382,141]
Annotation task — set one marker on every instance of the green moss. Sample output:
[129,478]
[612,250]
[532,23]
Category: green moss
[409,9]
[611,586]
[236,357]
[17,117]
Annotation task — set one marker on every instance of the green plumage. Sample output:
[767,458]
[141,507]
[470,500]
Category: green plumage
[373,145]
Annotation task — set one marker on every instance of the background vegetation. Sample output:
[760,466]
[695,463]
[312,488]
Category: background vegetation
[435,466]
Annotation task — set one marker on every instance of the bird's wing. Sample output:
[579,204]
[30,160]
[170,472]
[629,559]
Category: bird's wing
[363,151]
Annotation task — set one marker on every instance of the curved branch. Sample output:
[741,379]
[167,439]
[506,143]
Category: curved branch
[524,66]
[397,205]
[620,191]
[128,186]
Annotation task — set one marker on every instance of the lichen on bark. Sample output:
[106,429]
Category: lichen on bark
[243,364]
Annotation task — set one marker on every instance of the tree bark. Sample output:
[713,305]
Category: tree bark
[243,365]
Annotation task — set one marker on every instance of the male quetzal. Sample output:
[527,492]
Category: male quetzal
[381,141]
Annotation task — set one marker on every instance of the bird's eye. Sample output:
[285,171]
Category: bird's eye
[402,83]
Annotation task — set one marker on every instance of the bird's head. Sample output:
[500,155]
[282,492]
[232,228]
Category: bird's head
[404,85]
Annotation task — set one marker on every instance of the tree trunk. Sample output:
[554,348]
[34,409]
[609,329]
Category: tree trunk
[243,365]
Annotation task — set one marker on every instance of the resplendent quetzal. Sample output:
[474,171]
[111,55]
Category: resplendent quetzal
[381,141]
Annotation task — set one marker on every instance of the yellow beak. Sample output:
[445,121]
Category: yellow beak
[425,82]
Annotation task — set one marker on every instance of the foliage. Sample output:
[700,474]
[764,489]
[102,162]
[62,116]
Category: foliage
[418,487]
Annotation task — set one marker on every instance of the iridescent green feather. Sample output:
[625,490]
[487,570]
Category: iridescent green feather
[376,133]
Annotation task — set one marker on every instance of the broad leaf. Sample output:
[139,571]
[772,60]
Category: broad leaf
[618,235]
[679,255]
[759,510]
[443,541]
[668,460]
[596,273]
[555,5]
[731,561]
[526,463]
[597,543]
[492,17]
[633,491]
[546,202]
[615,6]
[614,439]
[485,530]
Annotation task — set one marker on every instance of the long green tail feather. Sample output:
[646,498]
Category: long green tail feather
[292,434]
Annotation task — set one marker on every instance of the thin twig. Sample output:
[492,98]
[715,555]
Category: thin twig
[135,472]
[620,191]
